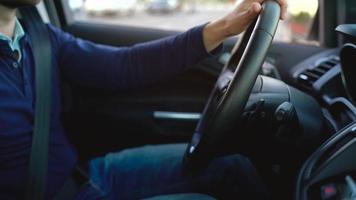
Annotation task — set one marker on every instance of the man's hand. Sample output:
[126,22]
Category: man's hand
[235,22]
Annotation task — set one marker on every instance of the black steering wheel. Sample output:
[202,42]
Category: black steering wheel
[233,87]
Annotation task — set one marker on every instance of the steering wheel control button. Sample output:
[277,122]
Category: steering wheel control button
[258,112]
[280,115]
[329,192]
[284,112]
[287,122]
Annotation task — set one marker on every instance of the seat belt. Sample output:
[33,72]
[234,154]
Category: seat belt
[41,48]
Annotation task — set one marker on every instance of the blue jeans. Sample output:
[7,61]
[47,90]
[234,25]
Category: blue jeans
[155,170]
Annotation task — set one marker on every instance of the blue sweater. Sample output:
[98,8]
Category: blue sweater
[82,63]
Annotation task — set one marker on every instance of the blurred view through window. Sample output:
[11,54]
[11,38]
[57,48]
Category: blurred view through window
[183,14]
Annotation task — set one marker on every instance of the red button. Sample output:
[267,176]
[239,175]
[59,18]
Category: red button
[328,191]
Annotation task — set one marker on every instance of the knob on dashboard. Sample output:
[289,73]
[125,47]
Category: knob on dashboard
[348,69]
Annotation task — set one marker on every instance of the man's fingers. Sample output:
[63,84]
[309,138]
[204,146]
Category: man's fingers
[282,3]
[256,8]
[284,6]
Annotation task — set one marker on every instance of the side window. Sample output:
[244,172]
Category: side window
[301,14]
[183,14]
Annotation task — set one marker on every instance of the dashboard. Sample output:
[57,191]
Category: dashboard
[330,172]
[321,77]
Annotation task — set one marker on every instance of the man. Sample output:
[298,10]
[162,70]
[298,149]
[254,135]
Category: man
[130,174]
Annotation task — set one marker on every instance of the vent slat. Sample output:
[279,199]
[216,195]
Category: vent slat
[312,75]
[332,62]
[319,71]
[326,66]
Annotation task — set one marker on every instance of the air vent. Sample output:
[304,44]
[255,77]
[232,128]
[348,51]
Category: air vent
[309,76]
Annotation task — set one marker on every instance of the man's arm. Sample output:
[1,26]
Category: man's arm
[105,67]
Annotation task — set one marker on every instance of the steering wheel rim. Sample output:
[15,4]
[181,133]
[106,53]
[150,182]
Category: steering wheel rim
[233,87]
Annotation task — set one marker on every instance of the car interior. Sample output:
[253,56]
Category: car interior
[296,124]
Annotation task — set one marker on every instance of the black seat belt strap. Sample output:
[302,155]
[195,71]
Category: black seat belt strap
[41,47]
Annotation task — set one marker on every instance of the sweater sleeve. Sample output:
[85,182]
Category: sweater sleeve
[119,68]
